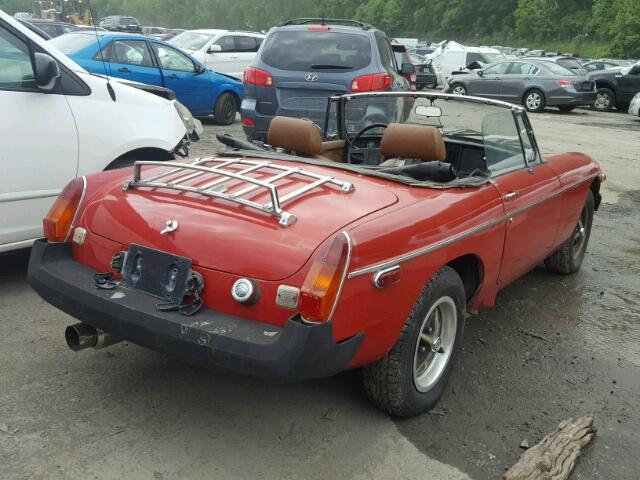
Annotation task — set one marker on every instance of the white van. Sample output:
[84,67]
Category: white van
[60,122]
[221,50]
[453,57]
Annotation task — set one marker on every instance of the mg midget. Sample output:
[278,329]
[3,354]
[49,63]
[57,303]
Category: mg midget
[360,246]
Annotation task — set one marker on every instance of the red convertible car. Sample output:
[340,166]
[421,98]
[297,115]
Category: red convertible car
[360,246]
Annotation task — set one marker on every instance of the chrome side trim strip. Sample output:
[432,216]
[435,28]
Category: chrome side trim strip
[460,236]
[424,250]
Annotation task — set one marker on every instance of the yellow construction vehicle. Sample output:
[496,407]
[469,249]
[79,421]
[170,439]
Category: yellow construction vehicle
[71,11]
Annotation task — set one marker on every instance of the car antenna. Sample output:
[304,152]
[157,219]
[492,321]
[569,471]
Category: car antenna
[110,89]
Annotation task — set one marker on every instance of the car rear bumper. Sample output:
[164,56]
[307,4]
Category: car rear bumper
[258,130]
[572,99]
[210,339]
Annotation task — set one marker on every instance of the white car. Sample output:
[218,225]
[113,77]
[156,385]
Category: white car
[454,57]
[221,50]
[60,122]
[634,106]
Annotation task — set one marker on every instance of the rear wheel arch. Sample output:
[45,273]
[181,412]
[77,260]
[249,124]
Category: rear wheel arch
[595,190]
[470,269]
[148,153]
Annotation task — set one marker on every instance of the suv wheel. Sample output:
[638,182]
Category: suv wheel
[605,100]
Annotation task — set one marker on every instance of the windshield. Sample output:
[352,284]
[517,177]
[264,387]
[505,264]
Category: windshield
[128,21]
[191,40]
[489,132]
[72,43]
[309,50]
[493,57]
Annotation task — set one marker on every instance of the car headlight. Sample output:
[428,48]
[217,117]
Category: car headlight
[192,124]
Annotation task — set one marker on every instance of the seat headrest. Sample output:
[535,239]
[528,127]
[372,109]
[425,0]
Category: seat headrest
[413,141]
[294,134]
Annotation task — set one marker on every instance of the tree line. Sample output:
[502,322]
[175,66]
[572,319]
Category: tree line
[473,21]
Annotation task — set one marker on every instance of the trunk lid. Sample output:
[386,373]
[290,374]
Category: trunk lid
[222,235]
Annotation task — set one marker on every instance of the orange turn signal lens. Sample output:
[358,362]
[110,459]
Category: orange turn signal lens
[322,284]
[58,222]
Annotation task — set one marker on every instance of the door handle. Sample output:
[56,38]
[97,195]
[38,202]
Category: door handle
[124,70]
[174,77]
[510,196]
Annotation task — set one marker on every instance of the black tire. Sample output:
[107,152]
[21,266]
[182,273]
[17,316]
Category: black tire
[432,85]
[568,258]
[566,108]
[390,383]
[462,90]
[534,101]
[224,112]
[605,100]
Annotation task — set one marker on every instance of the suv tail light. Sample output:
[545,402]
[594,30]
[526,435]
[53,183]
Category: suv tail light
[371,83]
[565,83]
[59,221]
[260,78]
[323,282]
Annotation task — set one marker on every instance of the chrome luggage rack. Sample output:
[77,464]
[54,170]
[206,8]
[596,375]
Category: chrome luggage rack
[220,188]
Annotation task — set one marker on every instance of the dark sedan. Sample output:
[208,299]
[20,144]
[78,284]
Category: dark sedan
[425,75]
[535,84]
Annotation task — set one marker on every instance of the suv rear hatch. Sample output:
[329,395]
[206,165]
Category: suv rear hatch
[226,236]
[308,66]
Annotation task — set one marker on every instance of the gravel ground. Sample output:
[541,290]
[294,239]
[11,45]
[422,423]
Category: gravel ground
[554,347]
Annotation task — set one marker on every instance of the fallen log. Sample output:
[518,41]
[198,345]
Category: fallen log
[556,455]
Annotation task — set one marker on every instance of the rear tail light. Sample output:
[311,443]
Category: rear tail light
[371,83]
[60,219]
[260,78]
[322,285]
[319,28]
[248,122]
[565,83]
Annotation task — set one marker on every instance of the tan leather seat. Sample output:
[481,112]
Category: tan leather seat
[404,144]
[301,137]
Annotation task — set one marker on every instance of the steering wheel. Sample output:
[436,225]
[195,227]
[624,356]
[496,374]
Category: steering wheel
[366,154]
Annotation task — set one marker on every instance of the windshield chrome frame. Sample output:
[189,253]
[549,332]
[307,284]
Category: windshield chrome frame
[516,110]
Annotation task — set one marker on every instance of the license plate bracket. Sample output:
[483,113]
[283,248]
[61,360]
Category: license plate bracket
[157,273]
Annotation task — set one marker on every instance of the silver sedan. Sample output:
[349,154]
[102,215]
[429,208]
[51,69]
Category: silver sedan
[536,84]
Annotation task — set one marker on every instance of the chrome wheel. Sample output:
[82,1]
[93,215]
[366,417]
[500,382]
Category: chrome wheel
[534,100]
[580,233]
[459,90]
[435,343]
[603,101]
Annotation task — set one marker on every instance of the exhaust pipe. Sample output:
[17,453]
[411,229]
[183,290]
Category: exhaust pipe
[81,336]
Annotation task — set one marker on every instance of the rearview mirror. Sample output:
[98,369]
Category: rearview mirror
[46,71]
[407,69]
[214,49]
[480,72]
[200,69]
[430,112]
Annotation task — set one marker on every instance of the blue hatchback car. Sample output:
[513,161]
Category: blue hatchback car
[304,61]
[146,60]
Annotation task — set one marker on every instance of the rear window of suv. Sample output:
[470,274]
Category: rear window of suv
[308,50]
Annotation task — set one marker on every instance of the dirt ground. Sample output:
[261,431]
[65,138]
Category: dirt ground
[554,347]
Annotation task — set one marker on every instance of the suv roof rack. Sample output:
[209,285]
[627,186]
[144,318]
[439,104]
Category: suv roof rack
[325,21]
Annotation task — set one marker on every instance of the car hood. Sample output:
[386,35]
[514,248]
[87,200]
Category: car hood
[225,236]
